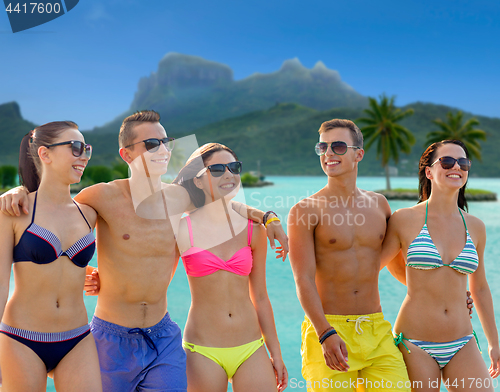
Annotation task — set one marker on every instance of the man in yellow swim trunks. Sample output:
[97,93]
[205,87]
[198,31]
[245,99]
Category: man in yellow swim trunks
[335,239]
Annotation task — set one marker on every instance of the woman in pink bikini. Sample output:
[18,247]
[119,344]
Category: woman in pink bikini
[224,254]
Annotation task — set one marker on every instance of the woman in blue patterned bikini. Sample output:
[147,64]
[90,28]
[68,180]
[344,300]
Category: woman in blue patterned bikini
[444,248]
[44,328]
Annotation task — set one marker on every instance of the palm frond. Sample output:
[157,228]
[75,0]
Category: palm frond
[455,128]
[445,127]
[434,137]
[369,119]
[470,123]
[474,151]
[476,134]
[400,116]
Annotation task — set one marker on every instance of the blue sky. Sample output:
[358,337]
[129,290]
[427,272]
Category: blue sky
[85,65]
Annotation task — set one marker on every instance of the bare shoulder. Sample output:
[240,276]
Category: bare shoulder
[405,215]
[474,224]
[177,197]
[98,193]
[6,221]
[174,191]
[308,205]
[375,199]
[373,195]
[6,245]
[305,214]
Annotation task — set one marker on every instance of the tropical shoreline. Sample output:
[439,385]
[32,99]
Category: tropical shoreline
[412,194]
[393,194]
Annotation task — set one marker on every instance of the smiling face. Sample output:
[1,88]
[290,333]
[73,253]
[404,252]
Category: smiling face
[334,165]
[62,161]
[455,177]
[156,161]
[226,186]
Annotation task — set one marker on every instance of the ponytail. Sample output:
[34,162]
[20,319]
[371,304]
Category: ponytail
[28,173]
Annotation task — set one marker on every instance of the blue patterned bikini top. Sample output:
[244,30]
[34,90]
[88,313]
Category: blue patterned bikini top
[41,246]
[423,254]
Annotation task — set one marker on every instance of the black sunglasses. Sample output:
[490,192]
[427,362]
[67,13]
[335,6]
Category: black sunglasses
[153,144]
[77,148]
[339,147]
[219,169]
[449,162]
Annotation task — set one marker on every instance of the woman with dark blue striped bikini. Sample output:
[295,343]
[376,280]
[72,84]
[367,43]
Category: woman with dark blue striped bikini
[44,326]
[433,328]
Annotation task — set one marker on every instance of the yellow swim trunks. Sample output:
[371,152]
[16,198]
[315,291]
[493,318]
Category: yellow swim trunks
[375,363]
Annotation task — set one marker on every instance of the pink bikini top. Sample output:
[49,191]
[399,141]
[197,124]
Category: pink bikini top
[201,262]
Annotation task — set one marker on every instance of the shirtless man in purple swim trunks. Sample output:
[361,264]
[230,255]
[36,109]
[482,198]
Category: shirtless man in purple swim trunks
[139,345]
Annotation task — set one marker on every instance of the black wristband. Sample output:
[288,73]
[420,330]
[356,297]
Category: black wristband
[266,216]
[327,335]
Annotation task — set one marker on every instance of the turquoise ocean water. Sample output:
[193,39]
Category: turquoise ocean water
[287,311]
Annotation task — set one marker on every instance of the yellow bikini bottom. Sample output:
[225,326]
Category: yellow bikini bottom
[229,358]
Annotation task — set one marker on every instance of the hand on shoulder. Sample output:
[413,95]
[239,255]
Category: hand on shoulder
[14,202]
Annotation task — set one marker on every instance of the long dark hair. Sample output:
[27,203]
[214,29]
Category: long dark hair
[192,168]
[30,166]
[427,159]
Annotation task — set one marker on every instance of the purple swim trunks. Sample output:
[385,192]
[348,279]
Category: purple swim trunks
[140,359]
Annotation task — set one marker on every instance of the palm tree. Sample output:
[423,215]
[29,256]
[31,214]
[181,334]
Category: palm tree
[455,128]
[383,129]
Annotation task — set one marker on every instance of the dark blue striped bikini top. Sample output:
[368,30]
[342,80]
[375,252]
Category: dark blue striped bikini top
[41,246]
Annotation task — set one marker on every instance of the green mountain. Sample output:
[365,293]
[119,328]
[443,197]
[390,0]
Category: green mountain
[282,138]
[287,147]
[190,92]
[12,129]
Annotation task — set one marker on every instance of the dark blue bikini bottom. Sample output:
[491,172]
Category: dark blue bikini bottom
[51,347]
